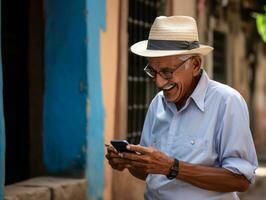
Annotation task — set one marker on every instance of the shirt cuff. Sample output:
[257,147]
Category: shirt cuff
[240,166]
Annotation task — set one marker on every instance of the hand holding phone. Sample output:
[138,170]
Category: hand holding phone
[121,146]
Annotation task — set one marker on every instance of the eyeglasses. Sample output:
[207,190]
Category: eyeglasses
[164,73]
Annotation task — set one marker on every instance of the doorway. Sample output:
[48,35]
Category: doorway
[22,59]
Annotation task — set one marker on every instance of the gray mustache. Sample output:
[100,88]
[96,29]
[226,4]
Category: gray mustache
[167,86]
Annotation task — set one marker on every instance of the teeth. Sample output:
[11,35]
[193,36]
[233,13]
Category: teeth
[168,86]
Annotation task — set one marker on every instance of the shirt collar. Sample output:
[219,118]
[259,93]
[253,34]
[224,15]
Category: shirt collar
[199,93]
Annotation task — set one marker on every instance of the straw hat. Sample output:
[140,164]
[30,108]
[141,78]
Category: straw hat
[173,35]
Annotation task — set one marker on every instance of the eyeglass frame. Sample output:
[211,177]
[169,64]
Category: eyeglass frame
[161,73]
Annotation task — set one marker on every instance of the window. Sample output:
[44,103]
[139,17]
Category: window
[140,88]
[219,57]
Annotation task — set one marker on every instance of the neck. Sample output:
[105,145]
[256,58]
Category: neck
[194,84]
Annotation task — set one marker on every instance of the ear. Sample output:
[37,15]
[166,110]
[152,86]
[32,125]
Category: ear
[196,63]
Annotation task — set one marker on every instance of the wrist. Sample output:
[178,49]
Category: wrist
[167,166]
[174,169]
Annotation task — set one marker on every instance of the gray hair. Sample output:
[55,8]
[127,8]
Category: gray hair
[187,56]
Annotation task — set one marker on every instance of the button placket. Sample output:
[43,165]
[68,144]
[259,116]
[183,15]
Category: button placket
[174,128]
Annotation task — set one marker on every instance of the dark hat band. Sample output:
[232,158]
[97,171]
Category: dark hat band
[169,45]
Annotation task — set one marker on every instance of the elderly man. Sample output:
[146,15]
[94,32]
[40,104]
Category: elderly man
[196,142]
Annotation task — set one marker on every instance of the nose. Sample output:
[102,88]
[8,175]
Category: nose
[160,81]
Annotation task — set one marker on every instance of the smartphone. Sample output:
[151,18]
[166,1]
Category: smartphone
[121,146]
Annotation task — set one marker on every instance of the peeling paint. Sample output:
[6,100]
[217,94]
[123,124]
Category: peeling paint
[88,106]
[95,20]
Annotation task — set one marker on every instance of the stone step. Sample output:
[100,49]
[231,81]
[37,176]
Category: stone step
[47,188]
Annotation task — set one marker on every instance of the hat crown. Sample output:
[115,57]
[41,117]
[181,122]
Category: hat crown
[175,35]
[179,28]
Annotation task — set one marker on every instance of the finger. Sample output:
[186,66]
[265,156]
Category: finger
[139,149]
[120,167]
[107,156]
[117,166]
[113,155]
[136,164]
[134,157]
[116,161]
[111,149]
[128,166]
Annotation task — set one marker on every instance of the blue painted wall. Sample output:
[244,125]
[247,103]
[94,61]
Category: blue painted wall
[2,127]
[65,86]
[2,137]
[73,112]
[95,158]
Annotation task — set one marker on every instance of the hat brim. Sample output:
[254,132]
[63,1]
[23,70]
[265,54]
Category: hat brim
[140,49]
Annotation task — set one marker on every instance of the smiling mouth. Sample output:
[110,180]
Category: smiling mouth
[169,87]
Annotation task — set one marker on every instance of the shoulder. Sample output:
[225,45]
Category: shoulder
[227,99]
[223,92]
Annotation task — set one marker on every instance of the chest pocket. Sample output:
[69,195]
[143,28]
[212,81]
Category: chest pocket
[189,148]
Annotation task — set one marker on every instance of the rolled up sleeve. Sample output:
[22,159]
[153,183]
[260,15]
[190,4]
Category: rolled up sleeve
[240,166]
[234,142]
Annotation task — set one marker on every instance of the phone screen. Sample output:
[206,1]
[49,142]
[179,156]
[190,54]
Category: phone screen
[121,146]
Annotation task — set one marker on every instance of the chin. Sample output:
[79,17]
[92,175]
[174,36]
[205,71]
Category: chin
[172,99]
[173,95]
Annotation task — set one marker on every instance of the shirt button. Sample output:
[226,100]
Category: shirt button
[192,142]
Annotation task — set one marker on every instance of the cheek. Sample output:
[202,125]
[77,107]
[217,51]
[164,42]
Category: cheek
[185,83]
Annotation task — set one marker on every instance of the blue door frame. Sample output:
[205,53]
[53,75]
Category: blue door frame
[73,106]
[2,127]
[95,20]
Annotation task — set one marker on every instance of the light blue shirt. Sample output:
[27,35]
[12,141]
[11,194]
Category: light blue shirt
[212,129]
